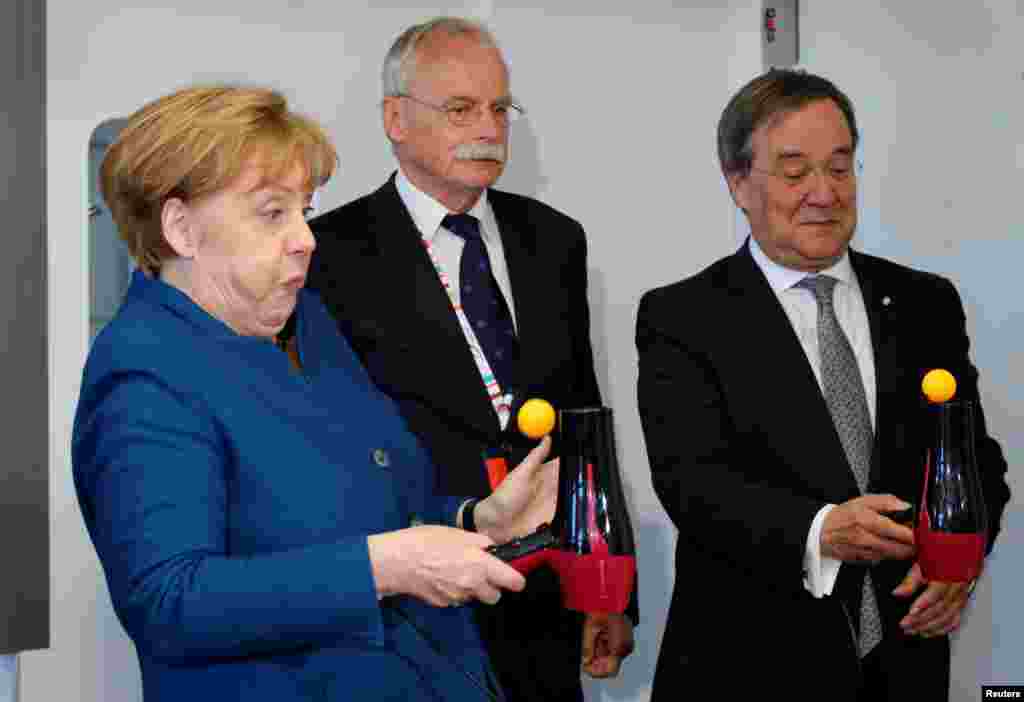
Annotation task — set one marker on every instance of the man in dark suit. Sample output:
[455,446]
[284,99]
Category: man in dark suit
[778,448]
[405,280]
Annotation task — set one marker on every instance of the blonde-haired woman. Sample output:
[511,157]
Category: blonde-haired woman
[264,519]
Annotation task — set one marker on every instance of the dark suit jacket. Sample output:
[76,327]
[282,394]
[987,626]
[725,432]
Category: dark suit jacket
[374,274]
[743,454]
[230,499]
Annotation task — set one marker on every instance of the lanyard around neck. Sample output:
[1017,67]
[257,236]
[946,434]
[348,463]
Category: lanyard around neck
[502,402]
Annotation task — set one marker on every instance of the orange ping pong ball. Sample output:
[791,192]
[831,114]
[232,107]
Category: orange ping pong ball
[536,418]
[938,385]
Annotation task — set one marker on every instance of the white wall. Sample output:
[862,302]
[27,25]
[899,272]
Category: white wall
[940,100]
[623,104]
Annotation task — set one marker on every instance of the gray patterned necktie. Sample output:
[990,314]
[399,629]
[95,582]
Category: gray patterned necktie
[844,394]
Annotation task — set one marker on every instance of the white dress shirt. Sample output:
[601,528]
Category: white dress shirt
[820,572]
[446,247]
[427,213]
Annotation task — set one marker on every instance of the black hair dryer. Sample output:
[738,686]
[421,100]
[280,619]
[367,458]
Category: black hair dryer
[589,543]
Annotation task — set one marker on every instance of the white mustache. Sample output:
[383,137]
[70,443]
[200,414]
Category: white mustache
[481,151]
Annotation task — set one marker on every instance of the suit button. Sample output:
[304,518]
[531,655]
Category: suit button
[381,457]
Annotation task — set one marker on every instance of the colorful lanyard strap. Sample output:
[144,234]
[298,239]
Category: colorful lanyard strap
[502,402]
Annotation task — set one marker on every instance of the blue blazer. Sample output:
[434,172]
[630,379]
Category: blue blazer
[230,497]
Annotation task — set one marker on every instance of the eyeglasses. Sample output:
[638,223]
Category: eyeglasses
[466,113]
[840,170]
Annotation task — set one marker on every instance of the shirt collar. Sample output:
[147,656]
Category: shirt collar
[427,213]
[781,278]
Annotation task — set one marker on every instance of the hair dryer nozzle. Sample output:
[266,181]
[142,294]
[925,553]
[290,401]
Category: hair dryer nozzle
[589,544]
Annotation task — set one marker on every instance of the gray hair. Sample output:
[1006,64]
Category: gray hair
[400,63]
[777,92]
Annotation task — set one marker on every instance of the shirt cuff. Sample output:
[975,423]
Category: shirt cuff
[820,572]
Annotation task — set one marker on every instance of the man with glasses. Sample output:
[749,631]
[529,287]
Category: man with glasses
[462,302]
[779,393]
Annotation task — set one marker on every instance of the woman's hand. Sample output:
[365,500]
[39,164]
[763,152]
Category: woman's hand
[442,566]
[523,501]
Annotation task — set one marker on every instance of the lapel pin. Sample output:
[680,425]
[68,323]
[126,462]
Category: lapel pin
[886,301]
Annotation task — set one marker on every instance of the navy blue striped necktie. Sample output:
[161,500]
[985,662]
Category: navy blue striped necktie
[483,302]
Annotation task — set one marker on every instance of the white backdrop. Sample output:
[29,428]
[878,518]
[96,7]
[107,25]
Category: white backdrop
[622,111]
